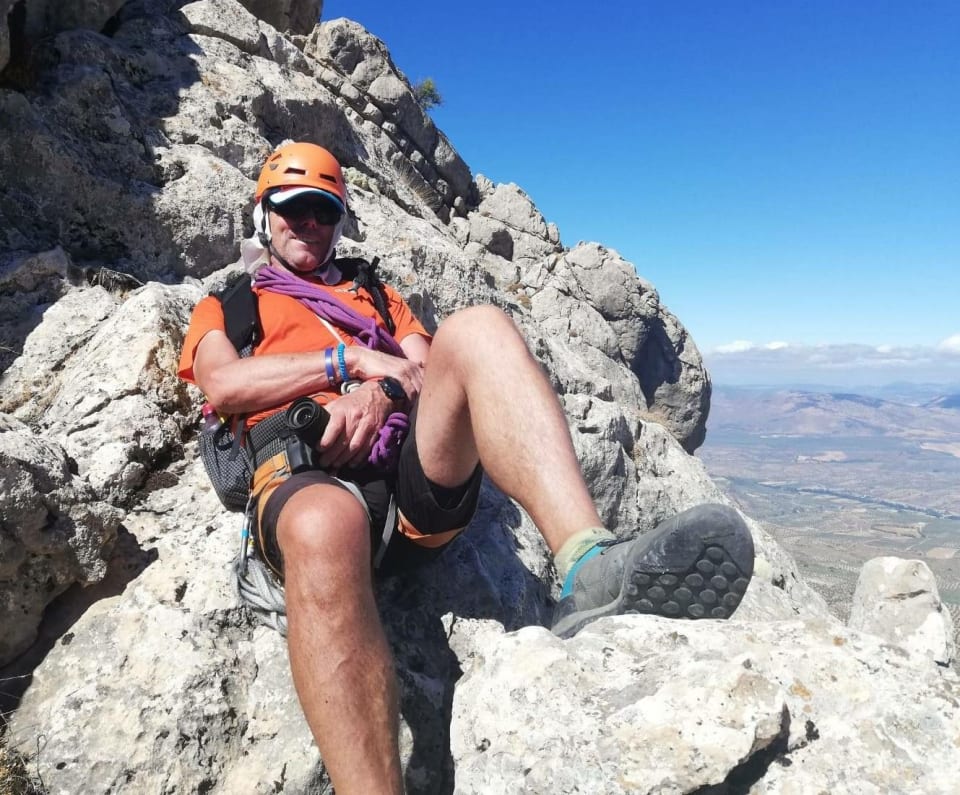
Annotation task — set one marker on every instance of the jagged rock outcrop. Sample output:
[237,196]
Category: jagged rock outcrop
[113,223]
[358,67]
[27,21]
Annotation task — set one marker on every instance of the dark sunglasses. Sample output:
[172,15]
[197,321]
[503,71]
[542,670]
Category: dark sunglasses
[308,208]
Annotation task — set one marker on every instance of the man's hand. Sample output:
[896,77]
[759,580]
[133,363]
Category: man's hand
[365,364]
[355,422]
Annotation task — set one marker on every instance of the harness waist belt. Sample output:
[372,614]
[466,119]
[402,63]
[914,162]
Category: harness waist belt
[268,430]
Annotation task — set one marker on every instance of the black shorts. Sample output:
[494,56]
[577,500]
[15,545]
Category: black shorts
[427,516]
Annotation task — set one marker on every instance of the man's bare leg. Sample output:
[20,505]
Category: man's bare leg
[341,662]
[486,398]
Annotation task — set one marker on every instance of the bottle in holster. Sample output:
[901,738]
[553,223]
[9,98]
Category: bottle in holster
[210,419]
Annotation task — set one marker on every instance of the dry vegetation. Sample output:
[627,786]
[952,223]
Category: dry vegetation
[15,777]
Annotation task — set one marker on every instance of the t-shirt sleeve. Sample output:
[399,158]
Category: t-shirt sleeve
[207,316]
[404,319]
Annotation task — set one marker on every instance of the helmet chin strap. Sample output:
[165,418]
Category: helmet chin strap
[276,255]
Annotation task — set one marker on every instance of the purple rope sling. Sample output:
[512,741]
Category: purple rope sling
[364,330]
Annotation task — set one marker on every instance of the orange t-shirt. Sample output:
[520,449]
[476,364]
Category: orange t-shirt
[289,327]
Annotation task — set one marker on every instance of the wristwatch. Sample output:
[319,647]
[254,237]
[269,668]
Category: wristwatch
[392,389]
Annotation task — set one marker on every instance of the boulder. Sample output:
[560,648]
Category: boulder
[114,401]
[29,284]
[55,532]
[897,600]
[639,704]
[225,19]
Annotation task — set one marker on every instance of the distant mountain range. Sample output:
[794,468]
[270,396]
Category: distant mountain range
[944,402]
[774,410]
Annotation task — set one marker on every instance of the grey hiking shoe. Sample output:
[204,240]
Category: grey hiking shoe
[695,565]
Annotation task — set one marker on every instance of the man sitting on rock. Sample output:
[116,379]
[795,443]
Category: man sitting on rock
[328,529]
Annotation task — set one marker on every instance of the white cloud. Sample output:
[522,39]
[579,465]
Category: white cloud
[738,346]
[951,345]
[778,362]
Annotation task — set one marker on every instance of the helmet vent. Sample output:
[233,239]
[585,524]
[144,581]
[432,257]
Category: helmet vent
[291,170]
[328,178]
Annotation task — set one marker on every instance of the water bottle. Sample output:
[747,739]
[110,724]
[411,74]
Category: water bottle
[210,419]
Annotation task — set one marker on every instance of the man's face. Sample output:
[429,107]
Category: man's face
[302,229]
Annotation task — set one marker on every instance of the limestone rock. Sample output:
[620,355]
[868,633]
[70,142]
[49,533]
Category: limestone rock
[225,19]
[641,704]
[204,225]
[365,61]
[113,401]
[492,235]
[293,16]
[592,295]
[29,282]
[177,587]
[356,53]
[167,666]
[55,532]
[50,16]
[898,601]
[29,20]
[279,48]
[136,194]
[27,387]
[508,224]
[367,66]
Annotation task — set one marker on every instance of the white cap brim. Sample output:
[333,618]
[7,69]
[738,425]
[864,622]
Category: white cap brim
[289,194]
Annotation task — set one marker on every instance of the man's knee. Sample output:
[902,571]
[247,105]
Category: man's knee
[467,328]
[323,526]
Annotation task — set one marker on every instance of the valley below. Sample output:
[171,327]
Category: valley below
[840,478]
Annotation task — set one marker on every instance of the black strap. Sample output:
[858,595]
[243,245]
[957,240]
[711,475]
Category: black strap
[364,276]
[379,295]
[240,316]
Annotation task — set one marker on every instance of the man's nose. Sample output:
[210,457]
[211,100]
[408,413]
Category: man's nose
[308,220]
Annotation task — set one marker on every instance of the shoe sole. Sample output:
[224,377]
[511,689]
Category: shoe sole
[695,565]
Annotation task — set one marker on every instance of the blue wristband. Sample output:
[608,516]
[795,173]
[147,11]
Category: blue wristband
[328,363]
[342,362]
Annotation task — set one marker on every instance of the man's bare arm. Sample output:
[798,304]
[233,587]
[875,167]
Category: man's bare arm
[241,385]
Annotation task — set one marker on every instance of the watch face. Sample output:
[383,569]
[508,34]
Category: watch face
[392,389]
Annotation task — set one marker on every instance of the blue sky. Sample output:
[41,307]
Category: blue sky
[782,172]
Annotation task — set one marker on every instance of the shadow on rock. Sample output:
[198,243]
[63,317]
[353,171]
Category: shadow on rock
[480,576]
[129,559]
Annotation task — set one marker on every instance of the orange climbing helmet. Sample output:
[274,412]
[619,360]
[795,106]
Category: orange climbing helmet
[302,165]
